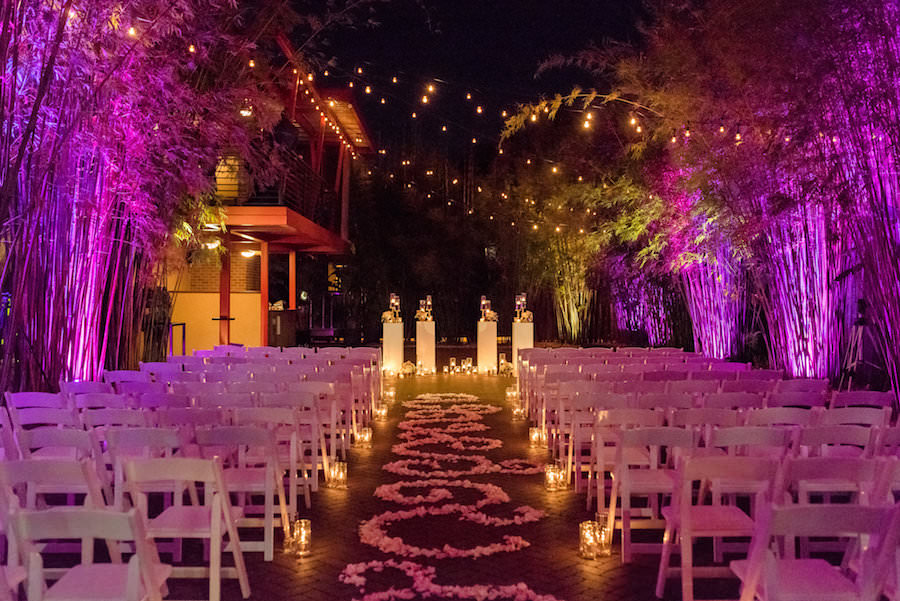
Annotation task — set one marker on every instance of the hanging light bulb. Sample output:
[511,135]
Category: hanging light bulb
[325,73]
[368,89]
[443,128]
[534,117]
[252,63]
[394,79]
[586,124]
[478,109]
[359,70]
[430,88]
[132,32]
[468,96]
[191,49]
[424,99]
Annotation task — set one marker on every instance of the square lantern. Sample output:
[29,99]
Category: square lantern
[380,413]
[301,533]
[537,438]
[364,438]
[604,535]
[337,475]
[555,476]
[588,539]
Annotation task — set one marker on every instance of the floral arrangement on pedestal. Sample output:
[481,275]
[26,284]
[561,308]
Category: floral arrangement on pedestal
[408,368]
[424,313]
[523,315]
[392,315]
[486,313]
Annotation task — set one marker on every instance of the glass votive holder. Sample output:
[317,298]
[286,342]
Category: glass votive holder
[537,438]
[588,533]
[604,535]
[337,475]
[301,533]
[380,413]
[364,438]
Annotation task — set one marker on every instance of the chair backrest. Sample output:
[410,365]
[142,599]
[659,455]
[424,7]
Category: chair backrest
[705,417]
[144,441]
[695,387]
[32,475]
[254,387]
[795,399]
[23,400]
[655,438]
[663,401]
[225,399]
[640,387]
[195,389]
[761,387]
[822,439]
[864,398]
[819,386]
[43,416]
[773,375]
[142,579]
[749,470]
[83,387]
[161,400]
[866,416]
[664,376]
[190,416]
[780,416]
[83,442]
[717,375]
[734,400]
[239,439]
[746,440]
[864,472]
[879,524]
[100,400]
[630,418]
[137,388]
[95,418]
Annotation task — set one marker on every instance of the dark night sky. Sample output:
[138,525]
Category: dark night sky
[490,48]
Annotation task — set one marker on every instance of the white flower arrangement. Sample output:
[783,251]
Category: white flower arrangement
[408,368]
[422,315]
[506,369]
[390,317]
[489,315]
[525,317]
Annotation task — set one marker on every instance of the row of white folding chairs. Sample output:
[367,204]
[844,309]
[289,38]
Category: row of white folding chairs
[145,576]
[28,411]
[789,483]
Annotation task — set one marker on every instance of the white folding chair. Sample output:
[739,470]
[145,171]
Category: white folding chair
[734,400]
[651,481]
[878,417]
[142,578]
[769,576]
[687,520]
[213,520]
[252,468]
[861,398]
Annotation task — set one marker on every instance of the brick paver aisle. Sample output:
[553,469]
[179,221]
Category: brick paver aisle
[549,565]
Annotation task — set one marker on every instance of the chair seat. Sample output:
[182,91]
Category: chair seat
[651,481]
[803,580]
[99,582]
[188,521]
[715,520]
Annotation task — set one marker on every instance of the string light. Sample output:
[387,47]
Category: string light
[555,169]
[349,84]
[443,128]
[368,89]
[534,227]
[737,136]
[359,70]
[474,140]
[586,124]
[132,32]
[383,101]
[191,49]
[721,129]
[478,109]
[468,96]
[534,117]
[638,129]
[309,76]
[325,73]
[414,115]
[424,99]
[394,79]
[633,121]
[252,63]
[557,229]
[503,114]
[430,88]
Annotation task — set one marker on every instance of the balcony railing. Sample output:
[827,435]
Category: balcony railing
[301,189]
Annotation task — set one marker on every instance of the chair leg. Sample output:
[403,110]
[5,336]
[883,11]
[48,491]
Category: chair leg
[664,559]
[626,525]
[215,557]
[687,568]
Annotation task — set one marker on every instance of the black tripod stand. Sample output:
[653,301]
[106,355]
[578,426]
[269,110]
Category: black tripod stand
[854,356]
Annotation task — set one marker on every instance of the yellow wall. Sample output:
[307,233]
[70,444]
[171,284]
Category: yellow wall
[197,309]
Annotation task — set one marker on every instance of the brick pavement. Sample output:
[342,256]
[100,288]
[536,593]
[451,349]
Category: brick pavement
[549,566]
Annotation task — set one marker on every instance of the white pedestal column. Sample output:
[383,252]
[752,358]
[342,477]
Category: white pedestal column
[425,339]
[392,353]
[487,346]
[522,337]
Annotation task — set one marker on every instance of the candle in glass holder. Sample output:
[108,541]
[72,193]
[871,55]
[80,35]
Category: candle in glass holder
[604,535]
[301,533]
[380,412]
[518,414]
[589,533]
[364,438]
[537,438]
[337,475]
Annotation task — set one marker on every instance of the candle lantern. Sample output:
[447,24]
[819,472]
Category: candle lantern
[604,535]
[538,438]
[364,438]
[337,475]
[380,413]
[518,414]
[301,533]
[555,477]
[511,393]
[589,533]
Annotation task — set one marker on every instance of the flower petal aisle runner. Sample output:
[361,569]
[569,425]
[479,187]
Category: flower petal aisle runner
[440,447]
